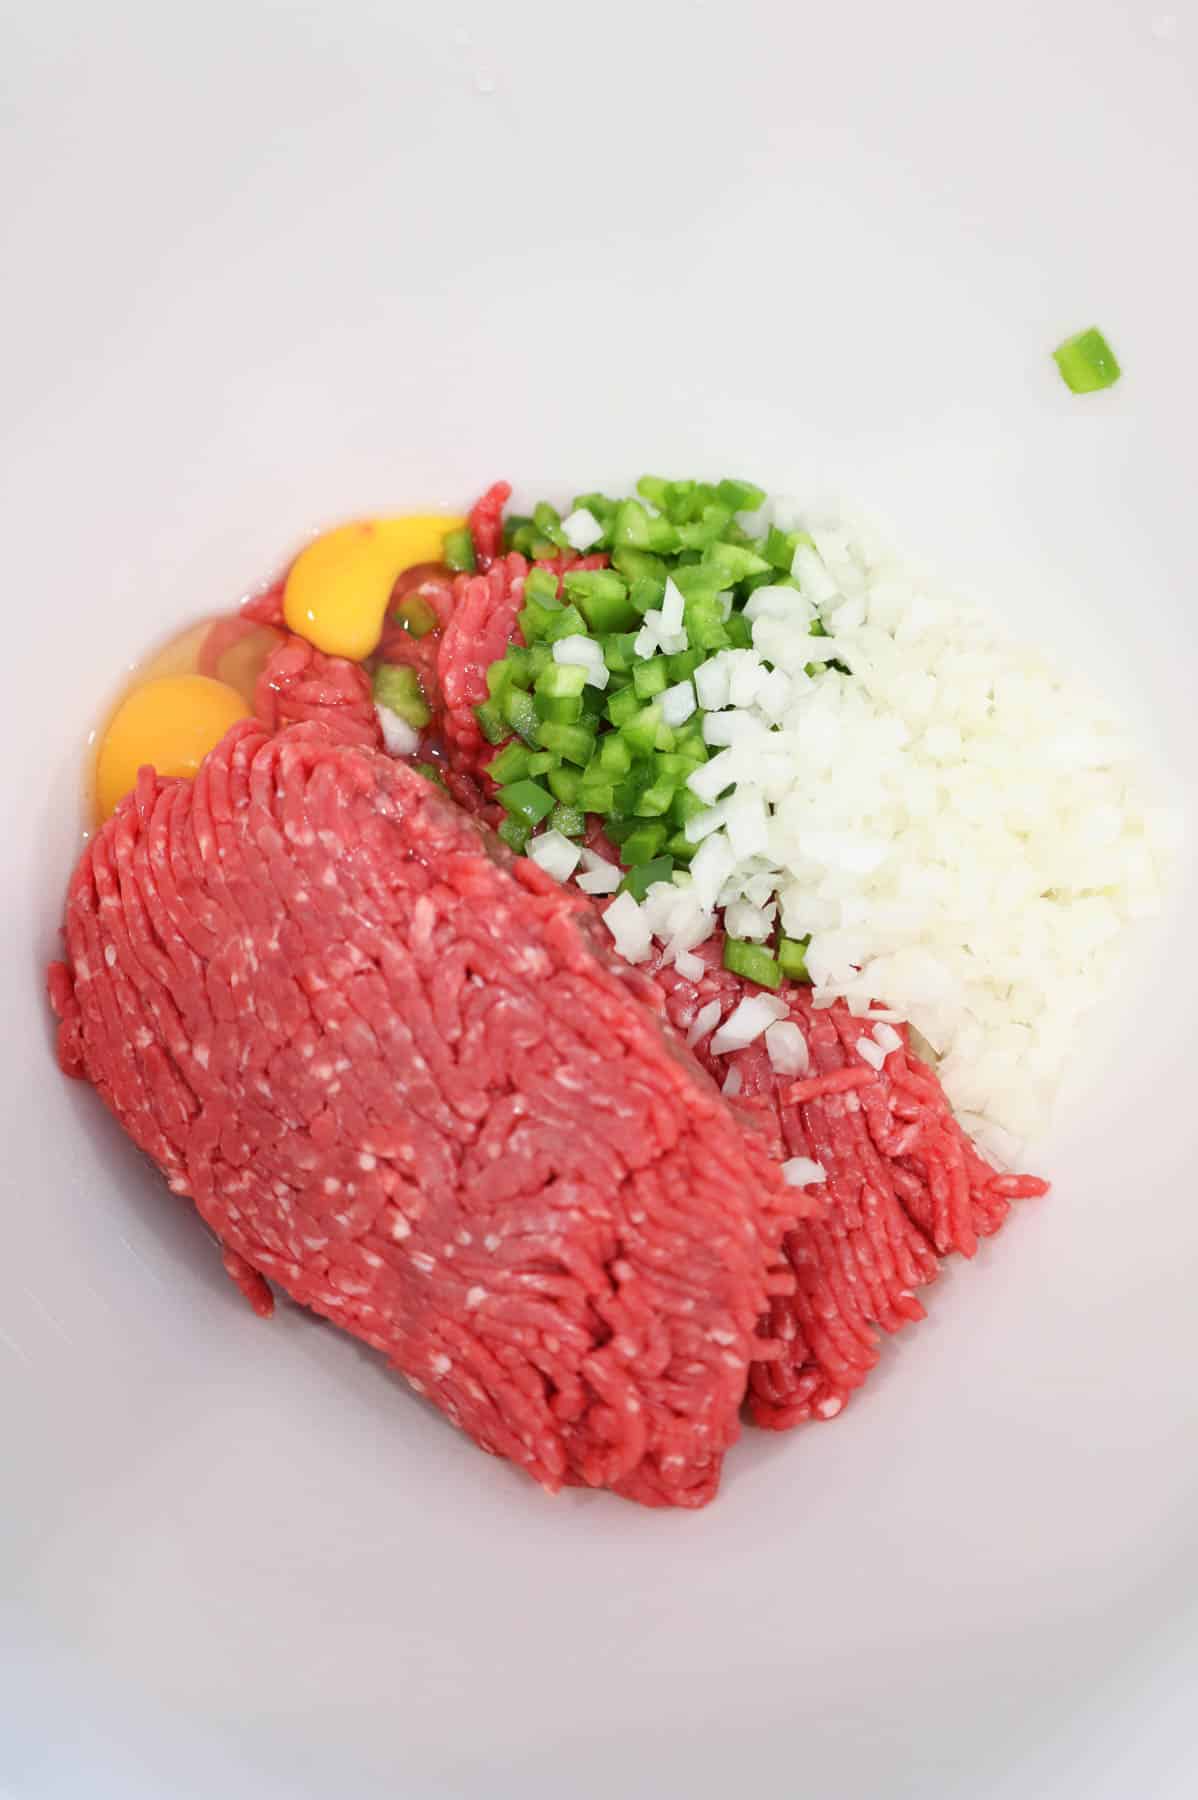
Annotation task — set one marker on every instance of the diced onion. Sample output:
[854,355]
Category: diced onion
[748,1019]
[629,928]
[678,703]
[801,1171]
[787,1048]
[582,529]
[555,854]
[600,876]
[705,1020]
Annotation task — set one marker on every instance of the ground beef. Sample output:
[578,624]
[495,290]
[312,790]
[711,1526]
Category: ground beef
[401,1076]
[905,1186]
[300,684]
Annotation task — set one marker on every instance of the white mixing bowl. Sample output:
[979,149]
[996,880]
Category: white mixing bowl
[271,264]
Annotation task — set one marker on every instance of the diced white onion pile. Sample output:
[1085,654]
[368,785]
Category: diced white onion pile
[960,829]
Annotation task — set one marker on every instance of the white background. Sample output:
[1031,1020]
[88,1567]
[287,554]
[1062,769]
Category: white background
[269,264]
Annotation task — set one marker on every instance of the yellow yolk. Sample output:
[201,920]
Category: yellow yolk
[171,723]
[337,591]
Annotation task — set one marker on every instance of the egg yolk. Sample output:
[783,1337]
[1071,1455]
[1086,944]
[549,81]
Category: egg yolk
[337,590]
[171,723]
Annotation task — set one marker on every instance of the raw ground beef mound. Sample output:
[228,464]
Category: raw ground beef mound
[905,1186]
[401,1076]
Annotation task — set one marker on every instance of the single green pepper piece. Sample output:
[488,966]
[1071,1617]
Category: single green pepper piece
[683,664]
[680,847]
[541,585]
[573,742]
[541,761]
[738,631]
[640,879]
[548,523]
[623,706]
[459,550]
[741,496]
[596,792]
[615,758]
[526,800]
[515,834]
[399,690]
[566,622]
[792,958]
[618,652]
[416,615]
[655,799]
[654,489]
[511,764]
[491,722]
[430,771]
[569,820]
[513,525]
[640,732]
[734,562]
[686,806]
[651,677]
[1087,362]
[752,961]
[560,709]
[643,843]
[780,546]
[520,711]
[563,783]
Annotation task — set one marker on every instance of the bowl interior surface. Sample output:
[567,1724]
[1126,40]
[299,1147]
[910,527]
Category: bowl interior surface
[275,266]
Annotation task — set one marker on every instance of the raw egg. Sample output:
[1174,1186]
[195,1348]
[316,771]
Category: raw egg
[337,591]
[171,723]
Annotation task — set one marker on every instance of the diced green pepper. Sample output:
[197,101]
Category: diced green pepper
[704,532]
[655,800]
[623,706]
[618,652]
[430,771]
[459,549]
[615,758]
[515,834]
[792,958]
[640,731]
[752,961]
[541,762]
[513,525]
[741,496]
[491,722]
[512,764]
[602,597]
[1087,362]
[573,742]
[651,677]
[416,615]
[739,631]
[645,875]
[398,689]
[562,709]
[563,783]
[734,562]
[549,523]
[526,800]
[680,847]
[569,820]
[642,844]
[596,792]
[520,712]
[559,680]
[683,663]
[542,586]
[568,622]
